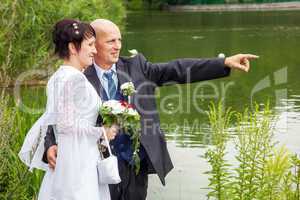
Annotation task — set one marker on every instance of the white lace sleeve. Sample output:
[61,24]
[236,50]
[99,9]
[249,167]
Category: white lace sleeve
[71,106]
[75,105]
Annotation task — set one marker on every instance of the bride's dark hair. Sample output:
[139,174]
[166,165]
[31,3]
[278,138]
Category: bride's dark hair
[70,30]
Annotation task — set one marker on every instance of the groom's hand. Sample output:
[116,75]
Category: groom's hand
[111,132]
[240,61]
[51,156]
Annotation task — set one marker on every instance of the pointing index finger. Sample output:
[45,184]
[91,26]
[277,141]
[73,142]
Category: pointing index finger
[251,56]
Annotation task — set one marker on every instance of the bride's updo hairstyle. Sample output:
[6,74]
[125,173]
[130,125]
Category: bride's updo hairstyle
[70,30]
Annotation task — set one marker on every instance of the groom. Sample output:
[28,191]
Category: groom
[109,71]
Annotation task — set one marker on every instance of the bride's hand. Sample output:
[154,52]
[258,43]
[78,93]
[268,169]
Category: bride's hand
[111,132]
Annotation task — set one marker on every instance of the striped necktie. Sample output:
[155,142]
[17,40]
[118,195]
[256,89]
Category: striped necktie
[111,84]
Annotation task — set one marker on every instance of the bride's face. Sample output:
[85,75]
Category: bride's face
[86,52]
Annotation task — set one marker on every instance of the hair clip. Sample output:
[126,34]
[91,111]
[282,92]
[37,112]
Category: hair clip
[75,26]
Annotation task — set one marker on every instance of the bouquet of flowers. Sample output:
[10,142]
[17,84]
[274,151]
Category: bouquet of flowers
[123,114]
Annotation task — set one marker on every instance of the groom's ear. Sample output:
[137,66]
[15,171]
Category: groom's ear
[72,48]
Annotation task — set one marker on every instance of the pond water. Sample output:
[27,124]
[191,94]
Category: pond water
[163,36]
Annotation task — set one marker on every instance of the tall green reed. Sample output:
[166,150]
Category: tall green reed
[16,182]
[261,170]
[295,179]
[254,145]
[219,174]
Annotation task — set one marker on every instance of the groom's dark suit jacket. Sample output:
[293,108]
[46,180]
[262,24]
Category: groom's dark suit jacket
[146,77]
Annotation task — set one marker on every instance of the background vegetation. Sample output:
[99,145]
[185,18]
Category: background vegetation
[25,44]
[25,36]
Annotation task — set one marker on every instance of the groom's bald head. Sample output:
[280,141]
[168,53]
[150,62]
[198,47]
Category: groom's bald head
[104,26]
[108,42]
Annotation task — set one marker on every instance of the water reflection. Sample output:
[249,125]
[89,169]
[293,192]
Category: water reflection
[288,124]
[196,133]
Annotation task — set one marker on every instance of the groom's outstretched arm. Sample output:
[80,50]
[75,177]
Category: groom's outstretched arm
[49,142]
[184,70]
[193,70]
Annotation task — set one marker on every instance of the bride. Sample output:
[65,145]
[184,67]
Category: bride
[72,108]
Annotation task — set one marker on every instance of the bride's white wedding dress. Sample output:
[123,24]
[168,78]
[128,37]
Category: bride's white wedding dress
[72,107]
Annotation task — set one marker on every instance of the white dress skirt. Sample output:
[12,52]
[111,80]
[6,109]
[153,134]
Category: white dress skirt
[72,107]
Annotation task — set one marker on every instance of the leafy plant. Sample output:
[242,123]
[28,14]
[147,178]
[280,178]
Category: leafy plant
[254,145]
[263,170]
[219,174]
[16,182]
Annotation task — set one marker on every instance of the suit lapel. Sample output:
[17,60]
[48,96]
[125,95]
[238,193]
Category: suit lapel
[122,73]
[91,75]
[123,77]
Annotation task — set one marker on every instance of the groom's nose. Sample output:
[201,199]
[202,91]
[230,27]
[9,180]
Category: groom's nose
[94,50]
[118,45]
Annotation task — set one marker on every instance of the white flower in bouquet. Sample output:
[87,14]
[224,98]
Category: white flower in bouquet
[114,106]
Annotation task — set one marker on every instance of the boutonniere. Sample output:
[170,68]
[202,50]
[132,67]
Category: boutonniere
[128,90]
